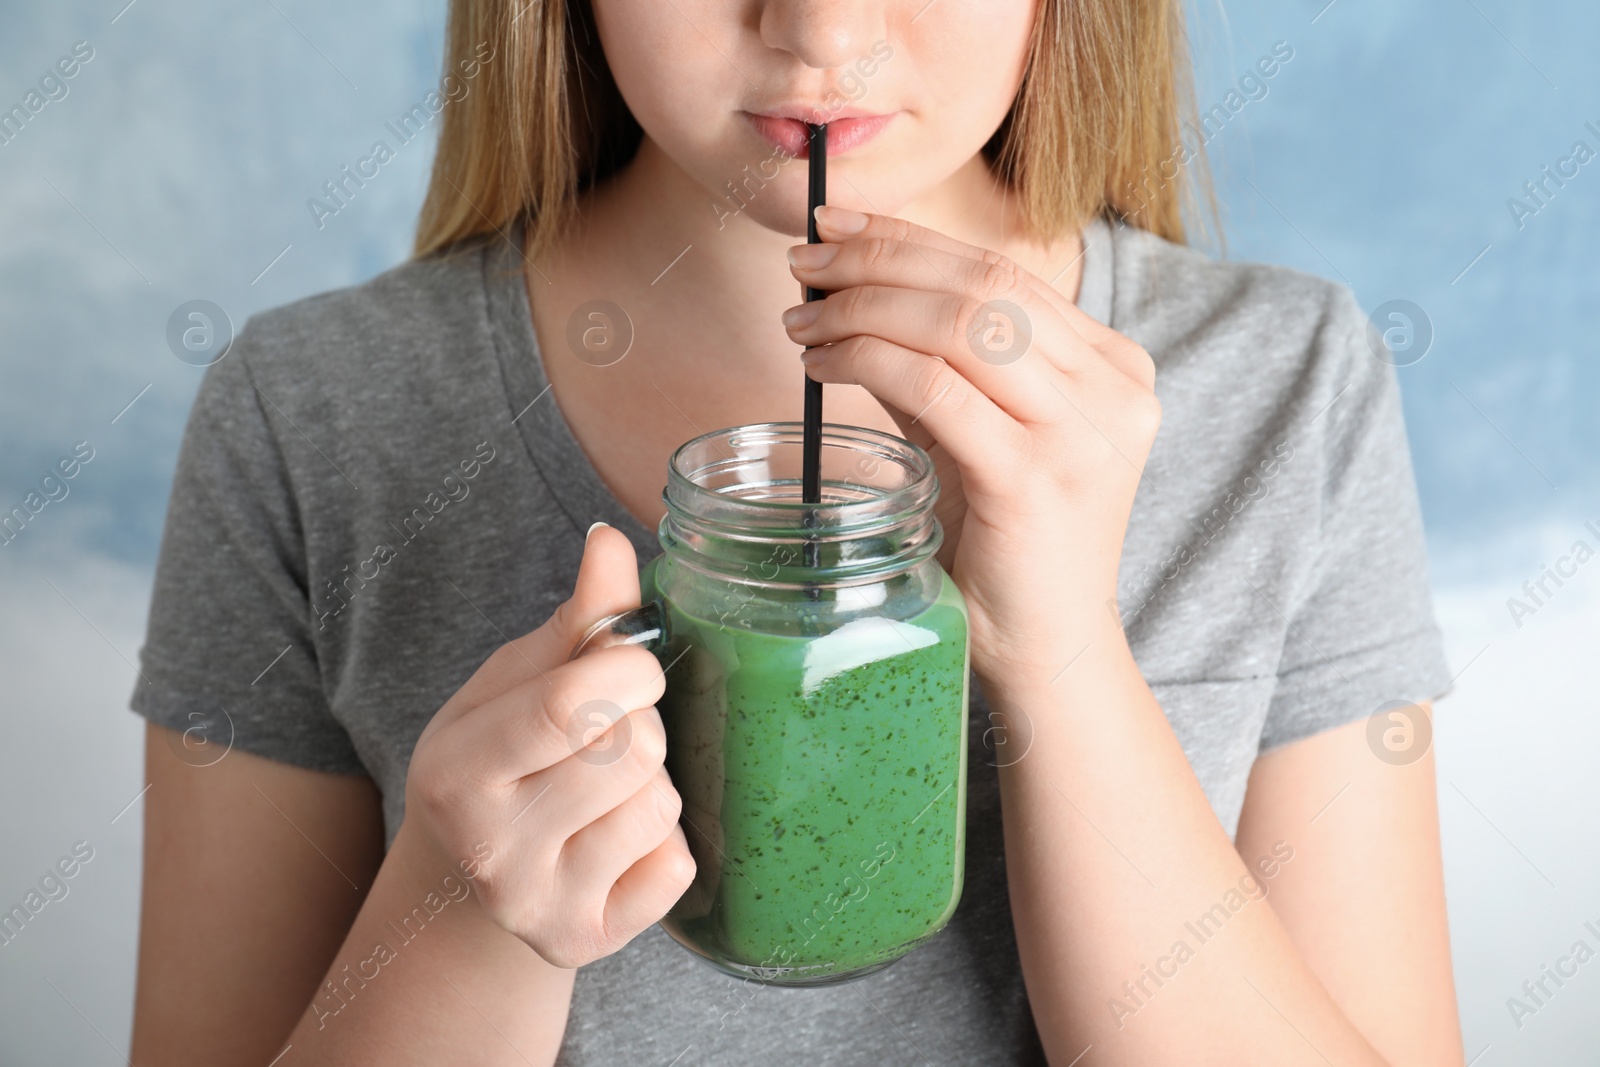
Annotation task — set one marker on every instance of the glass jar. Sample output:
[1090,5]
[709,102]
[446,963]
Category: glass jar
[816,659]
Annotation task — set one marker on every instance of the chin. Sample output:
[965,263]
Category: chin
[781,205]
[787,217]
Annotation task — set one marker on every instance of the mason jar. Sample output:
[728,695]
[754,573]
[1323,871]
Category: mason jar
[816,660]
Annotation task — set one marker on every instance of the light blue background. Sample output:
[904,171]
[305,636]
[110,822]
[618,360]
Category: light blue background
[1383,153]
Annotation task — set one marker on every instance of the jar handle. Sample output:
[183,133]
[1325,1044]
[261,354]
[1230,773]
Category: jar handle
[644,625]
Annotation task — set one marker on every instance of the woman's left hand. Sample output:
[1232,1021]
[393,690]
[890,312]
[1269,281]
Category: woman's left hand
[1038,418]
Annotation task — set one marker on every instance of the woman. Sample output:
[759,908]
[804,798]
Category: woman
[1182,848]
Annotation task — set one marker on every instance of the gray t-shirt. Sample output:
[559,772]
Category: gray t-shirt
[375,490]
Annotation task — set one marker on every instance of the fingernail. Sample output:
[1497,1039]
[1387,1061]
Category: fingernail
[802,314]
[812,356]
[810,257]
[592,529]
[841,219]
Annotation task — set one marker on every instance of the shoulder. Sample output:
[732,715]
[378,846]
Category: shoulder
[1250,353]
[362,389]
[352,342]
[1276,530]
[362,372]
[1227,318]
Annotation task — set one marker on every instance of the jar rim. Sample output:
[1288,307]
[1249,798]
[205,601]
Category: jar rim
[837,514]
[734,506]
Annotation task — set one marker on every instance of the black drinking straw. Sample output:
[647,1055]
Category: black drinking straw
[811,426]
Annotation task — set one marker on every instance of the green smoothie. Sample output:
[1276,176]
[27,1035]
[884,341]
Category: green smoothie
[824,787]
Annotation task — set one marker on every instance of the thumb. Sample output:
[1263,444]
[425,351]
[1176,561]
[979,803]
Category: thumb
[608,582]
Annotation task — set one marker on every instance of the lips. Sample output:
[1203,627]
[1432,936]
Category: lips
[844,133]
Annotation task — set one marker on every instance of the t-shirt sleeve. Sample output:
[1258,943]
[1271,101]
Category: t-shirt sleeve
[1361,632]
[228,659]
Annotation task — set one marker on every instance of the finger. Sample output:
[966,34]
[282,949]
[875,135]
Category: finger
[995,282]
[852,227]
[840,224]
[648,890]
[989,279]
[912,429]
[542,721]
[595,857]
[969,426]
[607,582]
[994,347]
[557,803]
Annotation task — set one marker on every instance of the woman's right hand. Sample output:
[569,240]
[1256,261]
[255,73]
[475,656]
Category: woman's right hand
[544,780]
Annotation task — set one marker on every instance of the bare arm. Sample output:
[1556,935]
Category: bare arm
[1114,857]
[1105,813]
[426,977]
[1363,899]
[253,871]
[256,893]
[274,920]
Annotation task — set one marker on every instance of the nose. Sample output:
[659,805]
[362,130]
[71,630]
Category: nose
[823,33]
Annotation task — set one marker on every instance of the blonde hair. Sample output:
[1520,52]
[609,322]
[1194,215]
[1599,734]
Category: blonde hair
[1099,117]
